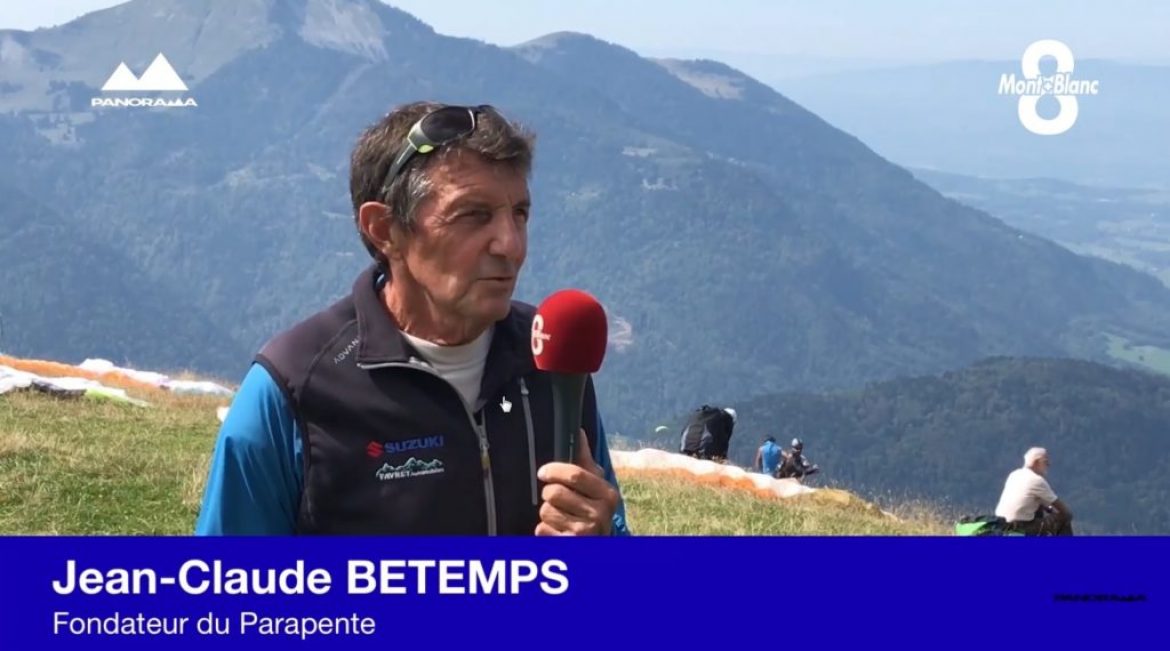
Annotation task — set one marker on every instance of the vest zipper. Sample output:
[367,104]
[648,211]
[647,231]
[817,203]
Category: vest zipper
[480,431]
[531,437]
[488,484]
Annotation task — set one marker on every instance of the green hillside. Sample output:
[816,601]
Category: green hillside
[952,438]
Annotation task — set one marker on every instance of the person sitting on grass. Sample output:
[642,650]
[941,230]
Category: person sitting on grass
[1028,503]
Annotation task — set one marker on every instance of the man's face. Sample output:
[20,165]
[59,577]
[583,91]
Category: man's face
[1041,466]
[470,239]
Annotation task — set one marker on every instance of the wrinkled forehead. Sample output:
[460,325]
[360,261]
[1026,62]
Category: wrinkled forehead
[465,173]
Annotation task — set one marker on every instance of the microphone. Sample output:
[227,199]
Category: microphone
[568,342]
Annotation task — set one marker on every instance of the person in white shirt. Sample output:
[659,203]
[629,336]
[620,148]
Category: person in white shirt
[1029,504]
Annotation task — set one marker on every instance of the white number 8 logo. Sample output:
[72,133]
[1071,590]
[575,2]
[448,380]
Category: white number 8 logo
[539,336]
[1030,63]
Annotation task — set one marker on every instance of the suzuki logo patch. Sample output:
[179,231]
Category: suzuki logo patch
[375,449]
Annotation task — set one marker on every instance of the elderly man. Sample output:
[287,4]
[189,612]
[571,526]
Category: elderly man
[413,405]
[1028,503]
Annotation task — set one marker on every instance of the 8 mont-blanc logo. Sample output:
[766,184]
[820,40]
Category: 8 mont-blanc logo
[159,77]
[539,336]
[1060,85]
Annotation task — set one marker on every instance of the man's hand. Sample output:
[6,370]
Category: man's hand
[1062,508]
[578,501]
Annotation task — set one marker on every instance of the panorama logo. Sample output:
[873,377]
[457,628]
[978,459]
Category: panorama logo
[1032,86]
[159,77]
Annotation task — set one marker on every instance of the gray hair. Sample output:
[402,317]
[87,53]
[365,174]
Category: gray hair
[1033,455]
[495,138]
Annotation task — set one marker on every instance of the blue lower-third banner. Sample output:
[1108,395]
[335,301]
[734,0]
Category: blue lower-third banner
[140,592]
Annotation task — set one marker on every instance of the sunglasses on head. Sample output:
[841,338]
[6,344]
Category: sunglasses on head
[434,130]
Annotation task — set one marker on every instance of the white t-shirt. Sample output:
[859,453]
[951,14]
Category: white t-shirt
[461,365]
[1024,492]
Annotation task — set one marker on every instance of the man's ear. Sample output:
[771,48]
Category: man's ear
[380,229]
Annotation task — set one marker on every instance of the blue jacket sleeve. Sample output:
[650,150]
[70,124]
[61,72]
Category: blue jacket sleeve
[601,456]
[254,483]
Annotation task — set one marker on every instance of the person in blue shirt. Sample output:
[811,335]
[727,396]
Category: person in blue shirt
[256,475]
[768,457]
[413,404]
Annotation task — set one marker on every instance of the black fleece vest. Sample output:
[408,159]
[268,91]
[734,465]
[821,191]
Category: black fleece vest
[392,448]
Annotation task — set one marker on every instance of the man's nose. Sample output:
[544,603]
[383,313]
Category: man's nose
[508,235]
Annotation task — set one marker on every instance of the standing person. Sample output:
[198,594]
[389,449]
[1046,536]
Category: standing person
[707,432]
[413,404]
[717,445]
[768,457]
[1029,504]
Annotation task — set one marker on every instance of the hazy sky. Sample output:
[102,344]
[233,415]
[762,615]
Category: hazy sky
[901,30]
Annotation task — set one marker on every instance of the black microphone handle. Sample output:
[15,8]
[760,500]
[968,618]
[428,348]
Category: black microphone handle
[568,394]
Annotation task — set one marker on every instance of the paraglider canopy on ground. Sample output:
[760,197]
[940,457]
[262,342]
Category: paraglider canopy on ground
[13,379]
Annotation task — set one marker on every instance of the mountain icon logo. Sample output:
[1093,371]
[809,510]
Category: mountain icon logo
[412,468]
[160,76]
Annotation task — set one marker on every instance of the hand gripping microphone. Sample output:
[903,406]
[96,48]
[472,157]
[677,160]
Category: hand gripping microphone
[569,335]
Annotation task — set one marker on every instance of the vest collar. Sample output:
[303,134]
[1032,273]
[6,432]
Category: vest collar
[380,341]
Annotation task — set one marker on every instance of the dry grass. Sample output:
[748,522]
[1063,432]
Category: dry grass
[77,466]
[662,504]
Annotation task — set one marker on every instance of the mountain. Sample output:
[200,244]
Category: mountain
[771,67]
[952,438]
[1126,225]
[88,300]
[950,117]
[741,244]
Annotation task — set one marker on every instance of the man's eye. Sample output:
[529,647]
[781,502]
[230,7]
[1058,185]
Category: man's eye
[477,215]
[522,214]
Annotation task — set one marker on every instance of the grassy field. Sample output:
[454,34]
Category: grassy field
[661,504]
[85,467]
[1154,358]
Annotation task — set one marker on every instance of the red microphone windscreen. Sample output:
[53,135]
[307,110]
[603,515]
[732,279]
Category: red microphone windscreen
[569,333]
